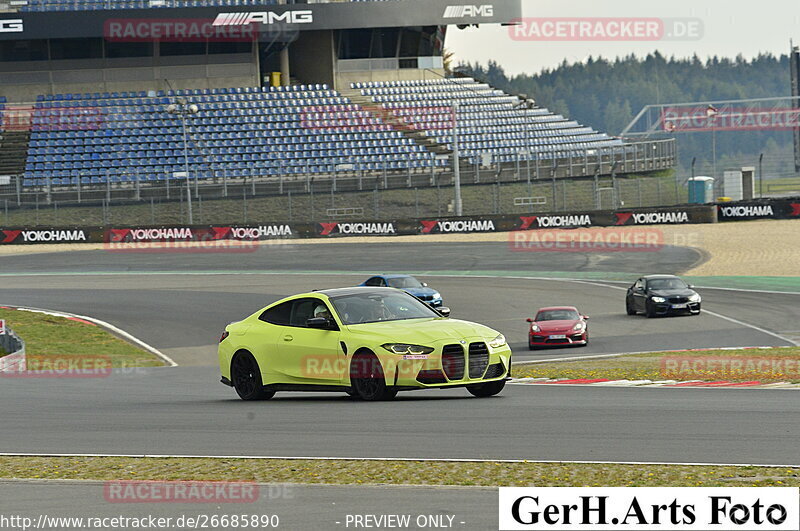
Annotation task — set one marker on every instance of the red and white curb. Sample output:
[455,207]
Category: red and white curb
[606,382]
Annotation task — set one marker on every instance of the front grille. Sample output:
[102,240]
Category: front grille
[557,341]
[478,359]
[678,300]
[577,337]
[426,297]
[431,377]
[495,370]
[453,361]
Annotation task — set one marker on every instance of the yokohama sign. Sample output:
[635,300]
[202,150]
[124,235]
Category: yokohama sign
[761,210]
[458,225]
[651,218]
[356,229]
[546,222]
[151,234]
[44,236]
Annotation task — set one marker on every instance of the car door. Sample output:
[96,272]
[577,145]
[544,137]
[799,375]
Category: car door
[639,295]
[310,355]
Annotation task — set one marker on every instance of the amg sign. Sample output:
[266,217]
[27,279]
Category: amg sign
[11,25]
[264,17]
[469,11]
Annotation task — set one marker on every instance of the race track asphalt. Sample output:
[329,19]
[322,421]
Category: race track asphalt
[174,303]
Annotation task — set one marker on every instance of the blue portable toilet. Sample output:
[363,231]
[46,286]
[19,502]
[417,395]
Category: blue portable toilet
[701,190]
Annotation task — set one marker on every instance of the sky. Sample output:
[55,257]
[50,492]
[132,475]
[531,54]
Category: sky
[726,28]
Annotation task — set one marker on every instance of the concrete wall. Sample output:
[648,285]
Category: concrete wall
[313,57]
[21,82]
[343,79]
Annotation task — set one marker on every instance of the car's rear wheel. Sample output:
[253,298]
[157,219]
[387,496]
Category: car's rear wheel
[367,379]
[488,389]
[246,378]
[628,308]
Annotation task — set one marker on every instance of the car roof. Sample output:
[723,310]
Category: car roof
[357,290]
[548,308]
[394,275]
[650,277]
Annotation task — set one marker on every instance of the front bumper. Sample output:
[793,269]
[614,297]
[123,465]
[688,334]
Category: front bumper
[668,308]
[450,368]
[545,340]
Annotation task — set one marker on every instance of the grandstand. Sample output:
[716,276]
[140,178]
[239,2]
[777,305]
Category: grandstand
[307,90]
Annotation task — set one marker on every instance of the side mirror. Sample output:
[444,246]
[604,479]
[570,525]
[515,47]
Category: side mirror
[529,320]
[321,323]
[444,310]
[585,317]
[691,286]
[424,284]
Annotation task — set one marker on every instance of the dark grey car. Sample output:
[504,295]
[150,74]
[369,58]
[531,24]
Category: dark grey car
[661,295]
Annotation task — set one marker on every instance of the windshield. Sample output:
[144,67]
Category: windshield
[666,283]
[557,315]
[404,282]
[372,307]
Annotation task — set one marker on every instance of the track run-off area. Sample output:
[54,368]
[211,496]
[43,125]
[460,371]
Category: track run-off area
[180,302]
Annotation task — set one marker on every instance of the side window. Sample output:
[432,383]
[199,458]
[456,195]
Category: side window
[278,315]
[639,284]
[375,281]
[305,309]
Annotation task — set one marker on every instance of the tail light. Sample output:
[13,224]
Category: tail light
[224,335]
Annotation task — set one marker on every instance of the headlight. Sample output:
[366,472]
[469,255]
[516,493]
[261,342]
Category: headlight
[578,326]
[437,295]
[659,299]
[535,328]
[403,348]
[499,341]
[695,298]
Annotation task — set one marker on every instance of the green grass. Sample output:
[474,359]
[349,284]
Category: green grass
[652,366]
[48,337]
[361,472]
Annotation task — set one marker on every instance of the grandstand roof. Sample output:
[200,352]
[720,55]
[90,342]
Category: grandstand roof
[43,19]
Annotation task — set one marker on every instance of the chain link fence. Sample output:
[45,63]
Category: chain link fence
[588,182]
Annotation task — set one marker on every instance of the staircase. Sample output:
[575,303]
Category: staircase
[366,103]
[13,152]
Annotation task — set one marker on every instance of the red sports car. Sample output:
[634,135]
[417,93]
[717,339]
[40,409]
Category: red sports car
[558,325]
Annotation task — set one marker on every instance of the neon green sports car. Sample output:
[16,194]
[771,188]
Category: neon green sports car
[364,341]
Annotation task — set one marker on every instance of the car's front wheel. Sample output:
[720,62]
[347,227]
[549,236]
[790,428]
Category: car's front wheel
[650,310]
[246,378]
[367,379]
[629,308]
[488,389]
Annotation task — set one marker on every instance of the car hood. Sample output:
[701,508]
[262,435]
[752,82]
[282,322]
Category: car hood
[684,292]
[419,292]
[423,331]
[557,326]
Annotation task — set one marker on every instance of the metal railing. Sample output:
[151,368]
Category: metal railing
[15,347]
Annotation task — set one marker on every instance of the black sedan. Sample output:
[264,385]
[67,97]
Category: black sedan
[661,295]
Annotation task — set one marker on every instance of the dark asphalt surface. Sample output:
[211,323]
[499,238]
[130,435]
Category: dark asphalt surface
[183,315]
[377,257]
[183,410]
